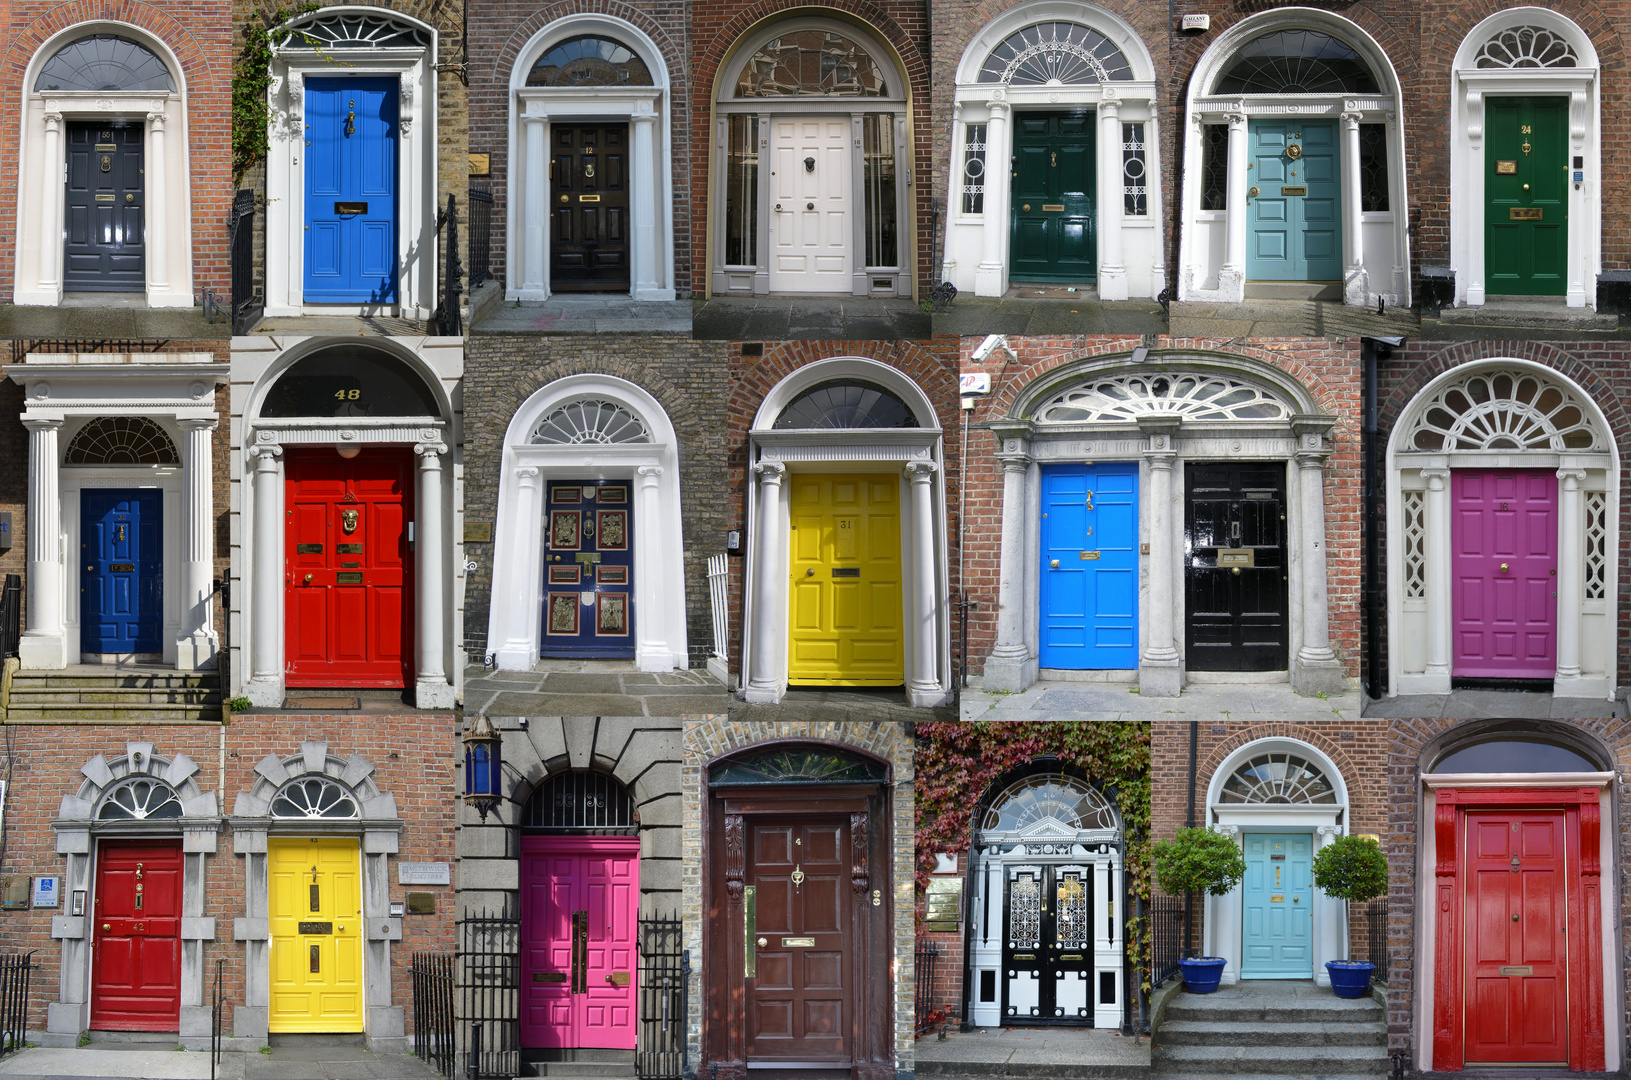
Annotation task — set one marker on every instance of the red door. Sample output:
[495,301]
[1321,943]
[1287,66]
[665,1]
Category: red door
[1517,947]
[1503,538]
[349,607]
[580,906]
[136,940]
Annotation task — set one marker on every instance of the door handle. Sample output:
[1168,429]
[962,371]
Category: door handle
[107,927]
[809,206]
[351,122]
[1235,570]
[750,926]
[1503,568]
[1054,563]
[308,579]
[778,208]
[809,571]
[762,942]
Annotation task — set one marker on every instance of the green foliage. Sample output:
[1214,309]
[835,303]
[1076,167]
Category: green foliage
[1351,868]
[84,1038]
[251,78]
[239,703]
[1198,860]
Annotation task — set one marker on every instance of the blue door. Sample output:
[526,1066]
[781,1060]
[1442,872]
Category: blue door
[121,594]
[1089,601]
[1277,898]
[1293,222]
[351,128]
[588,569]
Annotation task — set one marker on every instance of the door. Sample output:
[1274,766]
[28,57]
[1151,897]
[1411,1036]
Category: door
[1089,600]
[589,570]
[315,909]
[349,595]
[1516,994]
[121,589]
[351,132]
[105,229]
[844,597]
[589,189]
[580,904]
[1047,950]
[1293,202]
[1503,572]
[136,936]
[1235,581]
[810,222]
[799,987]
[1526,190]
[1277,907]
[1054,236]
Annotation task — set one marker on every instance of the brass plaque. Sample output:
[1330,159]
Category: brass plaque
[944,898]
[1025,956]
[846,571]
[421,903]
[1237,556]
[104,198]
[478,532]
[345,549]
[1517,969]
[588,198]
[620,978]
[351,565]
[14,889]
[798,942]
[348,577]
[1090,556]
[308,549]
[1073,956]
[549,976]
[1524,213]
[480,164]
[106,147]
[351,208]
[588,556]
[122,567]
[317,928]
[1053,208]
[1277,898]
[1506,168]
[1299,190]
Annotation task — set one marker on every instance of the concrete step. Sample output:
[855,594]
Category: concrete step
[608,1070]
[992,1070]
[1299,1061]
[1307,1033]
[113,714]
[135,680]
[198,696]
[1550,314]
[1262,1009]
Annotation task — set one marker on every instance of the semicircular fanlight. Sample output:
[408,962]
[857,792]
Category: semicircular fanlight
[121,440]
[1069,800]
[104,62]
[314,797]
[1297,62]
[140,799]
[1278,777]
[589,60]
[843,404]
[590,420]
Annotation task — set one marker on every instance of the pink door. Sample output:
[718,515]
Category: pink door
[1503,552]
[580,902]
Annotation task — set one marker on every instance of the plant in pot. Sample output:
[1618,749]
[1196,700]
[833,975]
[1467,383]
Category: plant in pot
[1351,868]
[1199,860]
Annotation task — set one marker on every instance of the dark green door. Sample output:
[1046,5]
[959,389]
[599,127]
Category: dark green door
[1054,235]
[1526,185]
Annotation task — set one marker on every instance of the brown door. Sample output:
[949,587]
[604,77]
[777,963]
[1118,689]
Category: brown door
[589,191]
[798,1004]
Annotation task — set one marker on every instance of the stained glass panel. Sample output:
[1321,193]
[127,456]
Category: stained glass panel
[811,63]
[1215,167]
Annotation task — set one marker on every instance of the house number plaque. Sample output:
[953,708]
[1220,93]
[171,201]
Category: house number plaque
[1517,969]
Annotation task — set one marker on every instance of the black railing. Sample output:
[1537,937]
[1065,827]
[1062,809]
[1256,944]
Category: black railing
[216,1019]
[924,963]
[14,972]
[1167,930]
[665,969]
[246,312]
[1376,934]
[11,615]
[488,995]
[20,349]
[446,320]
[481,234]
[433,1010]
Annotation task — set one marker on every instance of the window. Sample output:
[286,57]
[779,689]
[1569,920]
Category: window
[121,440]
[589,60]
[974,169]
[1503,411]
[810,63]
[356,31]
[1596,545]
[1193,396]
[314,797]
[1509,755]
[846,405]
[349,380]
[141,799]
[742,192]
[878,188]
[579,801]
[1526,47]
[1055,52]
[1215,167]
[1297,62]
[797,766]
[590,420]
[1066,799]
[1134,180]
[104,62]
[1373,180]
[1415,546]
[1278,777]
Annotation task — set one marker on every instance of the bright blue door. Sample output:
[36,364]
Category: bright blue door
[351,128]
[589,569]
[1089,601]
[1277,898]
[1293,223]
[121,604]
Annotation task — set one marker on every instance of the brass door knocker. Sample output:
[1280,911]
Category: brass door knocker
[588,169]
[1294,151]
[348,521]
[107,162]
[798,876]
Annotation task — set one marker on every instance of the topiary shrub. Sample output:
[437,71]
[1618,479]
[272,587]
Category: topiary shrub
[1198,860]
[1351,868]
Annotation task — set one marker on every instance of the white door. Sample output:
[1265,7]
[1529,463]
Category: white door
[810,204]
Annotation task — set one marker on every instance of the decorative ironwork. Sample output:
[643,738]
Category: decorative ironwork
[246,308]
[121,440]
[448,319]
[480,197]
[489,995]
[1297,62]
[811,63]
[794,766]
[1057,54]
[1526,47]
[924,962]
[1373,173]
[1072,928]
[104,62]
[1167,930]
[846,405]
[590,60]
[433,1010]
[578,801]
[355,31]
[1193,396]
[974,168]
[1072,802]
[1024,911]
[1134,172]
[15,969]
[1415,545]
[1504,411]
[140,799]
[1278,777]
[314,797]
[1596,545]
[1215,167]
[660,1052]
[590,420]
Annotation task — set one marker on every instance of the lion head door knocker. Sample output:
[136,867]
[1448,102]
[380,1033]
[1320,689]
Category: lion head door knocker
[1294,151]
[107,162]
[809,164]
[348,521]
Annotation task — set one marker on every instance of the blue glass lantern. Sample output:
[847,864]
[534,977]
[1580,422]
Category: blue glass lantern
[483,766]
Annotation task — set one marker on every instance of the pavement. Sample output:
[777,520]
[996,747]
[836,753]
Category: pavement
[1038,1052]
[591,688]
[1048,311]
[145,1061]
[583,314]
[1050,700]
[814,705]
[1287,318]
[112,315]
[833,318]
[1495,704]
[345,701]
[358,325]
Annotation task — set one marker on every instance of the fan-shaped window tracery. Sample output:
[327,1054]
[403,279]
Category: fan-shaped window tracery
[356,30]
[589,60]
[811,63]
[140,799]
[846,405]
[1504,411]
[1297,62]
[1055,54]
[1526,47]
[590,420]
[104,62]
[314,797]
[1278,777]
[1193,396]
[1066,799]
[121,440]
[796,766]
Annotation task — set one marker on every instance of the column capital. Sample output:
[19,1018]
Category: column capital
[199,423]
[265,455]
[998,106]
[649,471]
[1329,830]
[1436,478]
[769,472]
[1350,120]
[53,118]
[527,475]
[1313,458]
[40,423]
[643,113]
[1567,474]
[1014,461]
[1227,830]
[1236,120]
[430,448]
[156,118]
[1110,105]
[1161,434]
[921,472]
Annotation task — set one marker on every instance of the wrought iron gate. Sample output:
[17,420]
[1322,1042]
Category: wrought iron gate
[246,308]
[665,969]
[489,962]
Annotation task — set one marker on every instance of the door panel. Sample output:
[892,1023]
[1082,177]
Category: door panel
[1294,222]
[315,909]
[1055,227]
[1235,579]
[1047,949]
[844,597]
[1089,590]
[810,223]
[351,132]
[1517,949]
[349,573]
[1503,541]
[105,229]
[121,601]
[1526,191]
[1277,898]
[588,570]
[136,936]
[589,195]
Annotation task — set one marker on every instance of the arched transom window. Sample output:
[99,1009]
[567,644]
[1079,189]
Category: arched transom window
[578,801]
[811,63]
[1514,755]
[1121,398]
[590,420]
[797,765]
[121,440]
[1297,62]
[589,60]
[846,405]
[1055,54]
[104,62]
[314,797]
[1065,799]
[358,30]
[349,380]
[140,799]
[1278,777]
[1503,411]
[1526,47]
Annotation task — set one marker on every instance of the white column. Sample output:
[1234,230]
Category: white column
[51,209]
[265,687]
[197,643]
[1332,924]
[432,690]
[1157,204]
[765,684]
[1010,665]
[990,277]
[535,226]
[650,623]
[1222,920]
[158,238]
[1355,282]
[1112,272]
[45,643]
[1160,669]
[1571,553]
[644,211]
[923,687]
[1318,671]
[517,611]
[1232,276]
[1436,520]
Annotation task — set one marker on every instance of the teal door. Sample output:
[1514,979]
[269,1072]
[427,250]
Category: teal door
[1293,201]
[1277,900]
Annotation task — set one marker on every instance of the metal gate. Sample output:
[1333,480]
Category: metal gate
[665,969]
[488,995]
[246,309]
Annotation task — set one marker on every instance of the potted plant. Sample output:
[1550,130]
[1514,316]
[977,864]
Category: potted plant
[1351,868]
[1199,860]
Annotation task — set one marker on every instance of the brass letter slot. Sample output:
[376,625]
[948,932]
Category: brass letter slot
[1053,208]
[1506,168]
[122,567]
[798,942]
[750,920]
[353,577]
[618,978]
[1517,969]
[316,954]
[1293,191]
[588,556]
[1024,956]
[344,549]
[846,571]
[1091,556]
[1073,956]
[1277,858]
[1238,557]
[588,198]
[105,147]
[1524,213]
[1277,898]
[351,208]
[317,928]
[104,198]
[549,976]
[308,549]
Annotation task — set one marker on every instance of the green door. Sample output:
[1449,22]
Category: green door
[1526,184]
[1054,235]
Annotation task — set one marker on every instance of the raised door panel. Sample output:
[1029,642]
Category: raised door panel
[1503,536]
[1054,224]
[1089,578]
[589,570]
[122,583]
[315,917]
[1294,219]
[1235,567]
[845,607]
[589,191]
[105,205]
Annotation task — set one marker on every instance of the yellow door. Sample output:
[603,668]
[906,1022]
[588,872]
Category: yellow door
[844,597]
[316,916]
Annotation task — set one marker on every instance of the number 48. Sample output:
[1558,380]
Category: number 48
[348,395]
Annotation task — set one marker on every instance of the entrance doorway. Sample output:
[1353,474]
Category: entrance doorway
[136,936]
[1235,573]
[1054,235]
[1277,906]
[1293,203]
[106,203]
[351,189]
[1526,196]
[812,212]
[588,580]
[589,191]
[121,604]
[1089,590]
[1503,560]
[315,912]
[1047,950]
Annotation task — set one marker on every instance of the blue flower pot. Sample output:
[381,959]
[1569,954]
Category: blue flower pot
[1350,978]
[1201,973]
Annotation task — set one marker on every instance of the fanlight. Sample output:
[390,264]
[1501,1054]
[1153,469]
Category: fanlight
[314,797]
[1297,62]
[1503,411]
[140,799]
[1066,799]
[590,420]
[1278,777]
[121,440]
[1055,54]
[104,62]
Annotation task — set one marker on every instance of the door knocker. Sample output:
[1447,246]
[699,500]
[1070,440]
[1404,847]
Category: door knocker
[351,117]
[1525,148]
[119,534]
[1089,505]
[348,521]
[107,162]
[798,876]
[588,169]
[1294,151]
[809,164]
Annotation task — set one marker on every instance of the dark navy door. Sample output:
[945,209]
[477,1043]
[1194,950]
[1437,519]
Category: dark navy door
[588,569]
[104,235]
[351,131]
[121,604]
[1089,601]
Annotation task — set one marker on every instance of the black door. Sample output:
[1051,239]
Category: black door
[589,189]
[105,224]
[1054,233]
[1235,566]
[1047,948]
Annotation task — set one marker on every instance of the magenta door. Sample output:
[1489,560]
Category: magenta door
[580,902]
[1503,572]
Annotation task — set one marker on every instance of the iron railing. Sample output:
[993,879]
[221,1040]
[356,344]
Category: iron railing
[487,995]
[11,615]
[14,972]
[433,1010]
[241,247]
[481,233]
[718,578]
[925,961]
[1167,930]
[446,320]
[216,1002]
[665,969]
[1376,943]
[20,349]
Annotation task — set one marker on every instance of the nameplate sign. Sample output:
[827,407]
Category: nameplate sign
[423,873]
[1524,213]
[1506,168]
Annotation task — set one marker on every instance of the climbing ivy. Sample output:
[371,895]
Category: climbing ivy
[251,79]
[956,762]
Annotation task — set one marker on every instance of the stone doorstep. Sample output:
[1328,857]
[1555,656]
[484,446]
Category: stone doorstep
[1296,1061]
[1311,1034]
[970,1070]
[1535,314]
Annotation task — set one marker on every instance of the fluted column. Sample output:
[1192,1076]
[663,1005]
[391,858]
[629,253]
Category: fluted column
[1232,276]
[197,644]
[1112,272]
[765,684]
[1160,669]
[1436,521]
[432,690]
[157,232]
[51,207]
[265,688]
[1571,553]
[44,643]
[1355,283]
[1010,665]
[923,686]
[650,624]
[535,226]
[644,210]
[989,276]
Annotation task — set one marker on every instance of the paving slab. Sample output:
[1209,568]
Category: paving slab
[1495,704]
[591,688]
[837,318]
[815,705]
[583,315]
[111,320]
[1080,701]
[150,1062]
[969,316]
[358,325]
[1288,318]
[1040,1052]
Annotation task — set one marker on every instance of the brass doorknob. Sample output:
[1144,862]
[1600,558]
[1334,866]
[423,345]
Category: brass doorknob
[809,571]
[763,943]
[1254,192]
[1235,570]
[1054,563]
[308,579]
[1526,187]
[106,927]
[1503,568]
